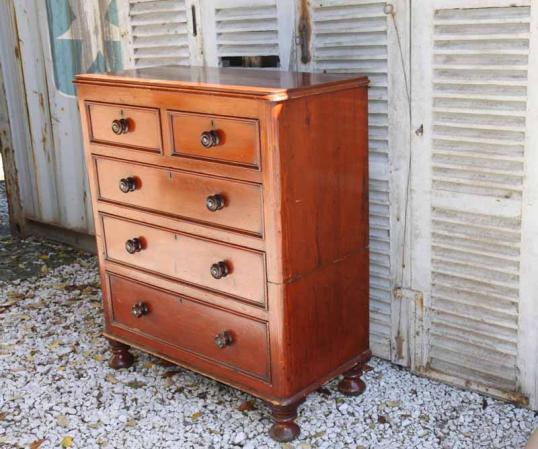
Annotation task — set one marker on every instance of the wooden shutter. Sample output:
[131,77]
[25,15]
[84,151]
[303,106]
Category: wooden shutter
[471,79]
[161,32]
[358,36]
[247,28]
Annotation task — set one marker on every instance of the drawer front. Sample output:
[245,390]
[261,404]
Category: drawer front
[236,205]
[215,334]
[125,125]
[211,137]
[235,271]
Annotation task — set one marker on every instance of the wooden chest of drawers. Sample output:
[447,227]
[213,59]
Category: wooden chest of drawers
[231,212]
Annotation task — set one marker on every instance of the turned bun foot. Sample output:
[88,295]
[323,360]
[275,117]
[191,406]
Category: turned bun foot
[285,428]
[121,357]
[352,384]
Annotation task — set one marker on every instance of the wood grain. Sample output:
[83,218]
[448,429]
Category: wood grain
[191,326]
[182,194]
[143,129]
[239,138]
[187,258]
[266,84]
[293,168]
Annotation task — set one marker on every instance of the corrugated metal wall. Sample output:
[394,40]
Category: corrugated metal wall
[453,294]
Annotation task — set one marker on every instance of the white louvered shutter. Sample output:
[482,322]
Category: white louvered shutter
[235,28]
[357,36]
[161,32]
[470,87]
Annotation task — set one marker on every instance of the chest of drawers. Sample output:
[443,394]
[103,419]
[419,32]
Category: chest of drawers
[231,216]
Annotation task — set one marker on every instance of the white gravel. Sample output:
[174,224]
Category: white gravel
[55,386]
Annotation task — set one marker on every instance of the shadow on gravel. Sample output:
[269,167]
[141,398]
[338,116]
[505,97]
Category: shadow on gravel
[24,259]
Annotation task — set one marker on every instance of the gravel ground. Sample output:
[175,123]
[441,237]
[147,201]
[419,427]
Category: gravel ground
[56,390]
[22,259]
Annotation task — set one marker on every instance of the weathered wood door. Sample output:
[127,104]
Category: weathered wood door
[474,210]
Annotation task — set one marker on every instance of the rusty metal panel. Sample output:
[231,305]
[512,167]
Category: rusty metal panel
[351,36]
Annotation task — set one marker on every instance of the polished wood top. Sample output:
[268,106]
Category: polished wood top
[262,83]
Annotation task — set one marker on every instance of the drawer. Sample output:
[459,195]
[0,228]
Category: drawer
[216,138]
[235,271]
[230,204]
[215,334]
[125,125]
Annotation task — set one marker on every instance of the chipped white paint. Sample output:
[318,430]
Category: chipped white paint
[162,32]
[13,81]
[470,77]
[527,361]
[247,28]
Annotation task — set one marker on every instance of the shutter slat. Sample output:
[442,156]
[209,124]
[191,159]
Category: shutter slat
[250,29]
[479,117]
[159,32]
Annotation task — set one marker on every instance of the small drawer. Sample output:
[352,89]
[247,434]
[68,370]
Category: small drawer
[230,204]
[216,138]
[211,333]
[237,272]
[130,126]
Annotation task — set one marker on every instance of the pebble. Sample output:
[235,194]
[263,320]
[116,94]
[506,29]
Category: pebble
[70,392]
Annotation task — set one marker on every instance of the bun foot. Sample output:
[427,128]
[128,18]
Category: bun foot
[285,428]
[352,384]
[121,357]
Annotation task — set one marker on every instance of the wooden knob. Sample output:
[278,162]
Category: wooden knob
[127,185]
[214,202]
[209,139]
[120,126]
[219,270]
[223,339]
[133,246]
[140,309]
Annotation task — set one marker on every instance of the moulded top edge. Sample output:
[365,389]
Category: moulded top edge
[259,83]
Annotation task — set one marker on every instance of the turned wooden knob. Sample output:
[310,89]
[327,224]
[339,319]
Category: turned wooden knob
[209,139]
[223,339]
[140,309]
[214,202]
[127,185]
[219,270]
[120,126]
[133,246]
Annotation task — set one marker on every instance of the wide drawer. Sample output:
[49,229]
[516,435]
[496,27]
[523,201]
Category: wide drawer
[216,138]
[131,126]
[212,333]
[235,271]
[231,204]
